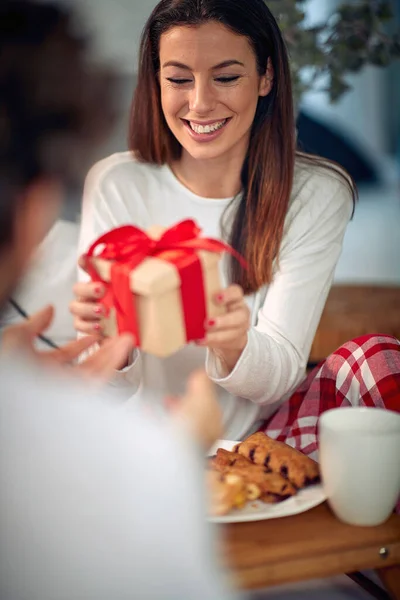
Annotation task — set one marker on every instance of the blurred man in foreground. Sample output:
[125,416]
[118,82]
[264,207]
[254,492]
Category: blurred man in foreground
[94,504]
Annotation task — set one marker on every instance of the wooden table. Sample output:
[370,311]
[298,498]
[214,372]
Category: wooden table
[355,310]
[311,545]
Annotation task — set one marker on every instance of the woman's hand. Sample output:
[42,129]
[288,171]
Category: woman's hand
[226,335]
[86,308]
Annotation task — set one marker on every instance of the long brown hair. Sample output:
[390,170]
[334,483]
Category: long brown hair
[268,169]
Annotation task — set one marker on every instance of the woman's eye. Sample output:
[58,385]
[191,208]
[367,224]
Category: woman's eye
[178,81]
[227,79]
[183,81]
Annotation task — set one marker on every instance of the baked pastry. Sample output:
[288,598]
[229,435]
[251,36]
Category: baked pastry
[278,457]
[261,483]
[226,492]
[258,468]
[225,458]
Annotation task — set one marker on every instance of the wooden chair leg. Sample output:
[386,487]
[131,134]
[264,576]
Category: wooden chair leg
[390,577]
[369,586]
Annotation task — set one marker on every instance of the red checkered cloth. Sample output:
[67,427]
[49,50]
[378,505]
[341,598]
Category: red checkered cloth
[363,372]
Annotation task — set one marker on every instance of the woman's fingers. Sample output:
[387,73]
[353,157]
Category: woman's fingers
[227,334]
[86,308]
[89,291]
[82,262]
[87,311]
[88,327]
[229,339]
[232,294]
[238,319]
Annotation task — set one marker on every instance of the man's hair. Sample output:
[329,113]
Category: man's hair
[55,106]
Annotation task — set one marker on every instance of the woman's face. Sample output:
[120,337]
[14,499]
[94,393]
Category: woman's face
[209,89]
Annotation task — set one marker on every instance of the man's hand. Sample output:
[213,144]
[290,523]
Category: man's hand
[112,355]
[198,409]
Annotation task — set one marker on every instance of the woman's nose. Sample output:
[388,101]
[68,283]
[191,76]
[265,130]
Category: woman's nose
[202,98]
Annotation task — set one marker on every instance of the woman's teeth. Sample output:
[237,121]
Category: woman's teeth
[207,128]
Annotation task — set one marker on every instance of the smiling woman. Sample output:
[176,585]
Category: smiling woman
[196,88]
[212,137]
[226,63]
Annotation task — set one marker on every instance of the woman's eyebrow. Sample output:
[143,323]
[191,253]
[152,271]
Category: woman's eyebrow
[225,63]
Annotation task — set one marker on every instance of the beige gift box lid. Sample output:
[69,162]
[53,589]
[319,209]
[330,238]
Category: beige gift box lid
[155,286]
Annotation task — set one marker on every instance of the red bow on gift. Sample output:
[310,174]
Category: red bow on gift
[128,246]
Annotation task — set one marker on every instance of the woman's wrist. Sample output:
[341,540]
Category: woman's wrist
[229,358]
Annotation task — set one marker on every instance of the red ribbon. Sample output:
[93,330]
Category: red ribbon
[128,246]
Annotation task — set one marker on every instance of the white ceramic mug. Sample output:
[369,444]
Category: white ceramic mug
[359,454]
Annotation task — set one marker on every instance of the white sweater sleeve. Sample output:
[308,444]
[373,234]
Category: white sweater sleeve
[97,218]
[274,360]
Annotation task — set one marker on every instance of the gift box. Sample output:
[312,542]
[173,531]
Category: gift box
[160,284]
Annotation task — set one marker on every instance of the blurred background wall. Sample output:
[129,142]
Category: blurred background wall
[362,132]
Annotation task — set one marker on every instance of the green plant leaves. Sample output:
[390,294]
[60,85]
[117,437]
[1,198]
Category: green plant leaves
[355,35]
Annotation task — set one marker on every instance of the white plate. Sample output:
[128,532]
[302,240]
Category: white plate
[258,511]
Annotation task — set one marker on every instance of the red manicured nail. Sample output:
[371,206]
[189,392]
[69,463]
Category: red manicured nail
[211,323]
[220,297]
[98,310]
[97,326]
[98,290]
